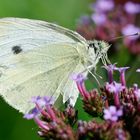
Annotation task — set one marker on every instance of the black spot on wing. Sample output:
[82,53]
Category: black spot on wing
[16,49]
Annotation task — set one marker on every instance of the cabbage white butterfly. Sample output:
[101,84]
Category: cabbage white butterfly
[37,58]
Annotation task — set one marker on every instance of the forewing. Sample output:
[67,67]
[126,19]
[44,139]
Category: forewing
[29,34]
[41,71]
[45,56]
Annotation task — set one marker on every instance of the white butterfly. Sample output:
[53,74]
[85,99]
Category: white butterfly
[37,58]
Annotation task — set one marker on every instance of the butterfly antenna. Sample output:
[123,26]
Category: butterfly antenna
[123,36]
[97,74]
[107,59]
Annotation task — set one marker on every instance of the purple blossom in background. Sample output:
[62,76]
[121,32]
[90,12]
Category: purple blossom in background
[129,30]
[132,8]
[98,18]
[137,93]
[103,5]
[138,70]
[112,113]
[85,19]
[135,86]
[113,19]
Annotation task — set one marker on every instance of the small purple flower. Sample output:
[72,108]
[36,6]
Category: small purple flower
[103,5]
[115,88]
[79,79]
[138,70]
[31,115]
[48,100]
[135,86]
[98,18]
[122,69]
[136,91]
[121,134]
[42,101]
[38,101]
[35,99]
[129,30]
[122,74]
[112,113]
[110,69]
[132,8]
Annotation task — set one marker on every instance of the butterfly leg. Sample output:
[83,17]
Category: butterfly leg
[93,74]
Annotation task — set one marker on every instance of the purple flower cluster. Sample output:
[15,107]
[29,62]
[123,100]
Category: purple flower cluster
[112,113]
[52,123]
[117,106]
[102,131]
[110,19]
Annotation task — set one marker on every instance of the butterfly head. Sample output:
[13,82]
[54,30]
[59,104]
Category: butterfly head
[99,49]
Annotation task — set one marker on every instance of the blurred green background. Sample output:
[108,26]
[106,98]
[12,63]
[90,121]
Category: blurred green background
[62,12]
[65,13]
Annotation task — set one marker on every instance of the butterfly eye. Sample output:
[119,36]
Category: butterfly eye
[16,49]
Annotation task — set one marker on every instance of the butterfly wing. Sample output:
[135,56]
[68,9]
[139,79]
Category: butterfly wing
[31,33]
[37,58]
[44,71]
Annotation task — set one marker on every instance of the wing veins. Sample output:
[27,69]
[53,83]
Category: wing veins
[36,74]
